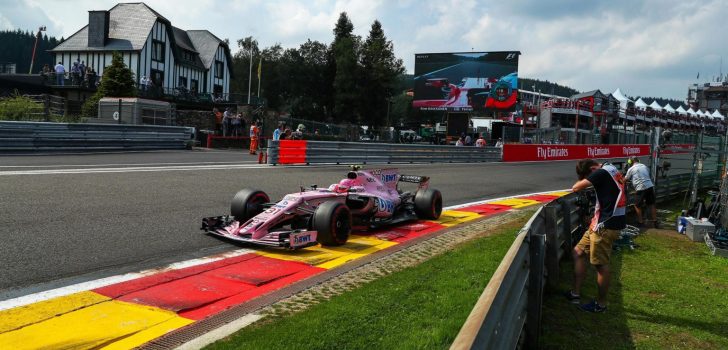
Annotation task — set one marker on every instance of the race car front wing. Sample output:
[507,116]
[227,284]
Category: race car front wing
[227,227]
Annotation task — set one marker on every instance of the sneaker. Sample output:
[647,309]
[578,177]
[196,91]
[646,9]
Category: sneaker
[572,298]
[593,306]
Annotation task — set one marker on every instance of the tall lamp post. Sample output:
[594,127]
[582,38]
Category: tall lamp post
[35,46]
[250,71]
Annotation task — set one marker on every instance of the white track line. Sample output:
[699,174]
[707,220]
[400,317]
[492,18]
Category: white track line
[103,282]
[133,169]
[123,164]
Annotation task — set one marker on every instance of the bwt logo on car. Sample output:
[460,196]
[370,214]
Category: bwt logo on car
[597,152]
[389,178]
[301,239]
[548,152]
[630,151]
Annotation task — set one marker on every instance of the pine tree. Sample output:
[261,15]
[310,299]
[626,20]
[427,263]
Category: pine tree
[118,80]
[381,69]
[345,80]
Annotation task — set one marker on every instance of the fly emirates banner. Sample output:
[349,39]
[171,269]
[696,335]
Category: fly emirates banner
[536,153]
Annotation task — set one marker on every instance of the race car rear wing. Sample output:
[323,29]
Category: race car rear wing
[422,181]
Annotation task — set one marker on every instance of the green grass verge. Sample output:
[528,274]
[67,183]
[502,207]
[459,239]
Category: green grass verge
[669,293]
[422,307]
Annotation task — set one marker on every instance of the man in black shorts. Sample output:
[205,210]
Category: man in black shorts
[608,220]
[639,175]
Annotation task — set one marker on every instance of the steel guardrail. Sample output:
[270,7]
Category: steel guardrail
[331,152]
[28,137]
[503,318]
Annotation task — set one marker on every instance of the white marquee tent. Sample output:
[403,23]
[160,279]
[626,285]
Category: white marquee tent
[623,100]
[640,104]
[717,115]
[656,106]
[681,110]
[669,108]
[692,112]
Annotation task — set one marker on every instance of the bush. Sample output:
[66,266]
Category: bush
[19,107]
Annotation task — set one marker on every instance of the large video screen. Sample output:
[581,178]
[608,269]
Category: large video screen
[466,81]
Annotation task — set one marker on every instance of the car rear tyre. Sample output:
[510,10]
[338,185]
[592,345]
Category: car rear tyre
[332,220]
[428,204]
[248,203]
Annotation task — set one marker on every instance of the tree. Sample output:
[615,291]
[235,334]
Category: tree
[345,79]
[380,72]
[118,81]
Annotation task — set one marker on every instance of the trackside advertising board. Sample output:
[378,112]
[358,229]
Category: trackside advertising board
[540,153]
[466,81]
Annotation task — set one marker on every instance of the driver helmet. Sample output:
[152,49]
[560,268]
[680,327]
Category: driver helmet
[350,181]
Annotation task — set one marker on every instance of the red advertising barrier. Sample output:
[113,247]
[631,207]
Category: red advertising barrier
[542,153]
[292,151]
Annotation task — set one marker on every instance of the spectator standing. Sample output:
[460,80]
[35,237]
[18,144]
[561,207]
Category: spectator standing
[218,120]
[468,140]
[236,125]
[46,72]
[608,220]
[480,142]
[254,132]
[60,74]
[459,142]
[74,73]
[287,135]
[278,131]
[226,122]
[499,143]
[639,175]
[82,71]
[143,84]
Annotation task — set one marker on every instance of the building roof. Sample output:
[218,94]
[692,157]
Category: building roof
[595,93]
[129,27]
[207,44]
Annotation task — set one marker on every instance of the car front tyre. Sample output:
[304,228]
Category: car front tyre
[332,221]
[248,203]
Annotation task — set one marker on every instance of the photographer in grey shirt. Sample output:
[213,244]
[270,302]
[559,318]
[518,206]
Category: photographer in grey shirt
[639,175]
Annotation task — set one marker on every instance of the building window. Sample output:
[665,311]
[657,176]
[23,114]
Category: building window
[193,85]
[182,82]
[157,77]
[218,69]
[157,51]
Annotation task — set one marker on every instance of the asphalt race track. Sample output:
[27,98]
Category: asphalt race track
[71,218]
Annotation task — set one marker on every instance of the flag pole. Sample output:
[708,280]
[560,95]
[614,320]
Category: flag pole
[250,71]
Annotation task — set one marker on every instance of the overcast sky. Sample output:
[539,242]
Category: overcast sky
[644,47]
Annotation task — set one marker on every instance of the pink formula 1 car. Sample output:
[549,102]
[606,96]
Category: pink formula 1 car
[364,200]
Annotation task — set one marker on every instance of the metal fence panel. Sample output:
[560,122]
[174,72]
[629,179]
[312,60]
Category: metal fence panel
[59,137]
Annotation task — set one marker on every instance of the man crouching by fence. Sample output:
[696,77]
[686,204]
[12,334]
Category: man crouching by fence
[609,219]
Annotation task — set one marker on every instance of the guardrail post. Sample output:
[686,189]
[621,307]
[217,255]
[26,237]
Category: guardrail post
[566,222]
[553,244]
[537,250]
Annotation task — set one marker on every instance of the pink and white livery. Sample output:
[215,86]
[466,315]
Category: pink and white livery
[363,200]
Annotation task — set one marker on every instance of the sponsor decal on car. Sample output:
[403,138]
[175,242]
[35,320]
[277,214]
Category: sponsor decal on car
[383,205]
[298,239]
[389,178]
